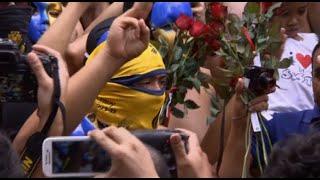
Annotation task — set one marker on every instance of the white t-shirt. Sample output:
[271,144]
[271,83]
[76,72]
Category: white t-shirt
[295,92]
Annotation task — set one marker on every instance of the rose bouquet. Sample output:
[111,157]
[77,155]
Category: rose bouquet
[183,60]
[249,49]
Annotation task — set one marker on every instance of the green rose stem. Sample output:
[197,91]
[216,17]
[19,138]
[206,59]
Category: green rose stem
[248,145]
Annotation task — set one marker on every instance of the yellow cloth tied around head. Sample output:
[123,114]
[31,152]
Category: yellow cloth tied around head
[124,105]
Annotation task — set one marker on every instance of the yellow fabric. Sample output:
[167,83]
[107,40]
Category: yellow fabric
[148,61]
[122,106]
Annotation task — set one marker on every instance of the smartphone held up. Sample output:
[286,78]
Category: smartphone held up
[80,156]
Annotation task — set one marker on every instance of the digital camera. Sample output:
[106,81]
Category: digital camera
[261,79]
[17,82]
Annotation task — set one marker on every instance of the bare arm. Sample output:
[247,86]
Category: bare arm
[234,153]
[313,16]
[75,54]
[95,9]
[58,36]
[122,45]
[115,9]
[195,120]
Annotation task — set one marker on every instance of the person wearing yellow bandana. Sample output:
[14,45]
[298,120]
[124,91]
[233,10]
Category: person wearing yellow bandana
[135,94]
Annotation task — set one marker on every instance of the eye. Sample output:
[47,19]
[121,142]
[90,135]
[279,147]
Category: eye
[54,13]
[301,11]
[144,82]
[284,14]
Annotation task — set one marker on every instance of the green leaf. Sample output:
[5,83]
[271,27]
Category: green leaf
[163,51]
[210,120]
[177,53]
[196,83]
[273,7]
[276,74]
[240,48]
[179,98]
[191,104]
[174,67]
[215,102]
[274,31]
[245,98]
[177,112]
[285,63]
[252,8]
[214,112]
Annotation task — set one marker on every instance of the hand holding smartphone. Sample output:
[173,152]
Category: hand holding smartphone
[83,157]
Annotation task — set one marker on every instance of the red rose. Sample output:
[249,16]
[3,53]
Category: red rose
[216,27]
[213,43]
[264,6]
[184,22]
[198,28]
[218,11]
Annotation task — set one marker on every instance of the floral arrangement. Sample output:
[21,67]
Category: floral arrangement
[238,41]
[249,48]
[183,61]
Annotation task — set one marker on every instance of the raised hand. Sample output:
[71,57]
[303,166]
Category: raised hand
[129,36]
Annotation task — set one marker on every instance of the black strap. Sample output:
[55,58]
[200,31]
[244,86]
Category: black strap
[32,152]
[97,32]
[56,97]
[127,5]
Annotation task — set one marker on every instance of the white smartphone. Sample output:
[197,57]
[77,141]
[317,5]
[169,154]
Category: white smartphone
[73,156]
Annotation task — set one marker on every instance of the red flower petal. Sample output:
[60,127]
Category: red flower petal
[218,11]
[184,22]
[264,6]
[198,28]
[213,43]
[247,35]
[216,27]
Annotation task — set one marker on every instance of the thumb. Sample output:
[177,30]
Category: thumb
[37,68]
[139,10]
[239,87]
[178,147]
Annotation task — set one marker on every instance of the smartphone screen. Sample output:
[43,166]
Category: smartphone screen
[79,156]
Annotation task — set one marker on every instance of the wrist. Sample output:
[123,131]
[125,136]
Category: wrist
[112,58]
[80,7]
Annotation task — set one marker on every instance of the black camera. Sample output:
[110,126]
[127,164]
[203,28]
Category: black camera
[17,81]
[261,79]
[160,140]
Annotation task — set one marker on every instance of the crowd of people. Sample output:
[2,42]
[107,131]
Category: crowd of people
[112,81]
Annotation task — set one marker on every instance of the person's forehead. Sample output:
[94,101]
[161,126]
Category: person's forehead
[43,5]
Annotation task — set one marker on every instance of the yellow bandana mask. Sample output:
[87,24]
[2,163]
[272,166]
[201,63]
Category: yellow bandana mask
[120,103]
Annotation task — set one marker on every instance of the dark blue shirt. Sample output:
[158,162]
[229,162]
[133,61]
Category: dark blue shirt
[283,125]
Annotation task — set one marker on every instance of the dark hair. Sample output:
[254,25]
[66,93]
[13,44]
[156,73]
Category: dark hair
[316,48]
[314,58]
[10,165]
[297,156]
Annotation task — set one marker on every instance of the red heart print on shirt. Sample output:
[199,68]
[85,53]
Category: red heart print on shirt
[305,61]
